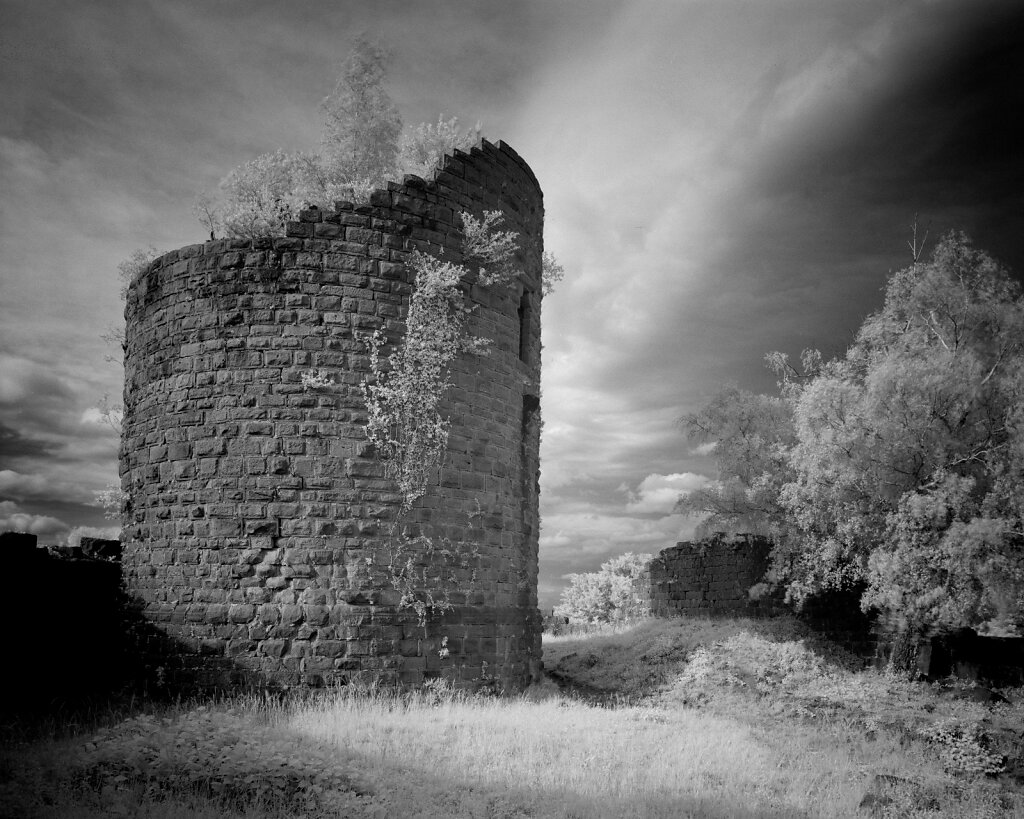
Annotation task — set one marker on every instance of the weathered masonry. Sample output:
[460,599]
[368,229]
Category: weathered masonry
[260,539]
[712,577]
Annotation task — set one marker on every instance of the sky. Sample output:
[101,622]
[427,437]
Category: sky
[722,178]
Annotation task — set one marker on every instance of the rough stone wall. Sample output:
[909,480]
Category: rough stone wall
[259,534]
[713,576]
[64,639]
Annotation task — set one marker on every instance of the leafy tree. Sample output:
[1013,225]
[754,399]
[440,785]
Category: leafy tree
[262,195]
[898,468]
[363,146]
[614,593]
[551,272]
[403,398]
[909,467]
[750,435]
[421,148]
[362,126]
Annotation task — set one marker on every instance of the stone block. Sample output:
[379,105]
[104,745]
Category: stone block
[273,647]
[241,612]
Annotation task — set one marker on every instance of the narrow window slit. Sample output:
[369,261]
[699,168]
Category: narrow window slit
[524,325]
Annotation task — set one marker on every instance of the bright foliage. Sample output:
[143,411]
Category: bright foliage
[422,147]
[363,146]
[361,122]
[751,434]
[404,396]
[262,195]
[905,471]
[615,592]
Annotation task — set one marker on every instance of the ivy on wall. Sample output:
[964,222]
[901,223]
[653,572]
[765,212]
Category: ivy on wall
[403,398]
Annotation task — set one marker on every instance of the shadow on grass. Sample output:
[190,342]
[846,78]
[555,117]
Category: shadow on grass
[78,652]
[374,785]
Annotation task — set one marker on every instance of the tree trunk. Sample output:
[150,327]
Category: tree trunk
[904,654]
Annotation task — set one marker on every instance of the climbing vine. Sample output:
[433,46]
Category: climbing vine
[403,400]
[403,397]
[427,573]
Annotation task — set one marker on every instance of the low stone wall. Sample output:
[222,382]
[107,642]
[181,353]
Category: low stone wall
[65,637]
[967,655]
[724,576]
[713,576]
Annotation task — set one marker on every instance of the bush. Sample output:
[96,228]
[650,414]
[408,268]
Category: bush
[619,591]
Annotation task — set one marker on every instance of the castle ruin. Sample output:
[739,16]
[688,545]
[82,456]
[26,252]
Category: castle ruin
[260,539]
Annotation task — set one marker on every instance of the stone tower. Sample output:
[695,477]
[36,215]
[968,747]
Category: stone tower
[260,539]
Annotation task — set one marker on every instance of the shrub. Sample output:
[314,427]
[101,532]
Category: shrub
[619,591]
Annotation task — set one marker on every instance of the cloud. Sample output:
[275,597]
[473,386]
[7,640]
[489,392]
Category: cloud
[658,494]
[47,453]
[582,529]
[583,539]
[23,381]
[720,180]
[18,486]
[15,445]
[593,536]
[12,519]
[553,540]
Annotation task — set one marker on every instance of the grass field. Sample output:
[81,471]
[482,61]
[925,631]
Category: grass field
[725,718]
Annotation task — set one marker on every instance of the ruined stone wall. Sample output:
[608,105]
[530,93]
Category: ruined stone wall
[64,636]
[259,534]
[713,576]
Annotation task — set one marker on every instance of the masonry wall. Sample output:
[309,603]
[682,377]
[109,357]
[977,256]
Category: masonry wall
[63,608]
[716,576]
[713,576]
[260,524]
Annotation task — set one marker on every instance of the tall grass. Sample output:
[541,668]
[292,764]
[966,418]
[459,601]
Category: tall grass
[700,718]
[556,757]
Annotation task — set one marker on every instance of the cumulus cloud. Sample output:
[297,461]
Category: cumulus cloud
[720,180]
[657,494]
[12,519]
[593,536]
[582,539]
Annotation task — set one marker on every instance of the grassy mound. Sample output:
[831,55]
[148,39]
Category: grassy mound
[941,749]
[725,718]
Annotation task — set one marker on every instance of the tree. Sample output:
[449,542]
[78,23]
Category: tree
[262,195]
[403,398]
[359,152]
[909,459]
[362,147]
[614,593]
[898,468]
[421,148]
[750,435]
[361,122]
